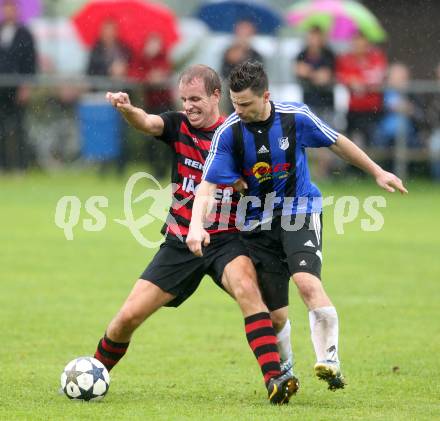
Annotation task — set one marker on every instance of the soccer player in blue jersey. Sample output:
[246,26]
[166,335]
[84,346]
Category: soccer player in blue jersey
[262,148]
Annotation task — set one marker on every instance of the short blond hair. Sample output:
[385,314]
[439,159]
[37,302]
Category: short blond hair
[209,76]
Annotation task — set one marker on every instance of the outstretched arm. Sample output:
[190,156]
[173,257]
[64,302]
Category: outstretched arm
[202,205]
[347,150]
[148,123]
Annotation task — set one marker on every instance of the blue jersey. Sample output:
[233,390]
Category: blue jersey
[271,157]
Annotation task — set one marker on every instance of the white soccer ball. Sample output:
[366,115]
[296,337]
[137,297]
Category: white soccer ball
[85,378]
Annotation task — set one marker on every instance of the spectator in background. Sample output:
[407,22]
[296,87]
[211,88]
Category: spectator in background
[153,69]
[239,51]
[235,54]
[241,48]
[314,67]
[17,57]
[433,117]
[109,56]
[362,71]
[401,110]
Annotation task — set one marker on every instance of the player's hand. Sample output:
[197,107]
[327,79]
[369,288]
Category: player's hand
[240,185]
[390,182]
[119,100]
[197,236]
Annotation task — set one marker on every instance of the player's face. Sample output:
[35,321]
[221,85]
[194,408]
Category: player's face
[249,106]
[201,109]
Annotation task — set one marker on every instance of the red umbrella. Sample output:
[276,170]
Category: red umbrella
[136,20]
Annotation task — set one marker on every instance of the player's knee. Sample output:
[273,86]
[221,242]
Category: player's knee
[309,286]
[246,288]
[308,292]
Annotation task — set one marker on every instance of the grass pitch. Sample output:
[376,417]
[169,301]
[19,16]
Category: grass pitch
[193,363]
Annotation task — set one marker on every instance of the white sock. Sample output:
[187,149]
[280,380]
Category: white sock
[324,328]
[283,342]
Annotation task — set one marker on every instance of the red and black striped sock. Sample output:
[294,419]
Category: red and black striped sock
[263,341]
[109,352]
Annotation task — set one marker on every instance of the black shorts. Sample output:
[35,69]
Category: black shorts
[177,271]
[279,253]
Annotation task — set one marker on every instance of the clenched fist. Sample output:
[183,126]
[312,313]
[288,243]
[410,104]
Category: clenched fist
[119,100]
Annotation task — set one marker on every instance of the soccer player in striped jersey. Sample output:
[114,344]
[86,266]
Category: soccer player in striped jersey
[175,273]
[262,147]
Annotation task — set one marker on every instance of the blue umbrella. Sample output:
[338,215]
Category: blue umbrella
[222,15]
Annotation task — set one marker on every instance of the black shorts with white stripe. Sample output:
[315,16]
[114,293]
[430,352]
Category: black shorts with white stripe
[292,244]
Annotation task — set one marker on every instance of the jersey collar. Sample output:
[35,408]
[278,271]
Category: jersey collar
[262,126]
[220,121]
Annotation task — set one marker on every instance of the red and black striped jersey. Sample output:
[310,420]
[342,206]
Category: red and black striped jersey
[191,147]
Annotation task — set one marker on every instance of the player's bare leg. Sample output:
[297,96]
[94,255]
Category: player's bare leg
[240,280]
[324,328]
[279,318]
[245,290]
[144,299]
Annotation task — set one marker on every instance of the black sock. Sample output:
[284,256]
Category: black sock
[109,352]
[263,342]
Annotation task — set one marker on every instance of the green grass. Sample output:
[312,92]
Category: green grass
[57,296]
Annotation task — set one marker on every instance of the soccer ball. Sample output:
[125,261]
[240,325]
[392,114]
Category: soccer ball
[85,378]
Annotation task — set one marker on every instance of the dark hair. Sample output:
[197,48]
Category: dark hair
[361,34]
[316,30]
[249,74]
[199,71]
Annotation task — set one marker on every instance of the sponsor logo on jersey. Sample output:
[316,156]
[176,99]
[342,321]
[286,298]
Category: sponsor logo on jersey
[263,171]
[193,164]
